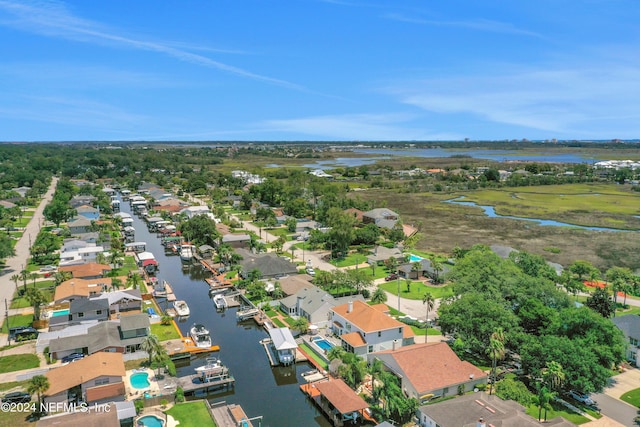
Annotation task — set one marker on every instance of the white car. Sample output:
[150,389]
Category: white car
[311,271]
[49,268]
[581,397]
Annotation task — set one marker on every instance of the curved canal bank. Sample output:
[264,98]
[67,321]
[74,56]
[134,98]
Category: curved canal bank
[273,393]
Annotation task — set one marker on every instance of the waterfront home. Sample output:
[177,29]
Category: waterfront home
[408,270]
[630,327]
[79,225]
[74,244]
[117,336]
[81,255]
[291,285]
[88,212]
[365,329]
[97,378]
[269,264]
[114,414]
[430,370]
[89,270]
[339,402]
[381,253]
[81,310]
[193,211]
[80,288]
[82,200]
[284,345]
[482,410]
[126,301]
[314,304]
[236,240]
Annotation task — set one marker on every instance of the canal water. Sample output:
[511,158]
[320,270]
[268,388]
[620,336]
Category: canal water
[273,393]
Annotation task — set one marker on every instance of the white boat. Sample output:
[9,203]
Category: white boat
[181,307]
[200,336]
[186,252]
[212,367]
[219,301]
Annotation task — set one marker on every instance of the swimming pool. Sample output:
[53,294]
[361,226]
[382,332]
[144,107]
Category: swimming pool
[57,313]
[140,380]
[150,421]
[415,258]
[323,344]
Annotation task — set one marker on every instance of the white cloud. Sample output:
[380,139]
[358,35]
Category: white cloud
[52,18]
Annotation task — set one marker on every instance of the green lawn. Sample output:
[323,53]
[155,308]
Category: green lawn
[417,290]
[164,332]
[18,362]
[351,259]
[421,331]
[191,414]
[17,320]
[632,397]
[558,411]
[314,356]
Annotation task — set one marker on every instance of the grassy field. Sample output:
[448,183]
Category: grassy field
[446,225]
[17,320]
[417,289]
[191,414]
[18,362]
[164,332]
[632,397]
[558,411]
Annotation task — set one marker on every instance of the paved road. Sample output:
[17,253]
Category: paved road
[17,263]
[616,409]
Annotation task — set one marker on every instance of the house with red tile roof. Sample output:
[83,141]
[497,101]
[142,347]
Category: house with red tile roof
[338,401]
[365,328]
[429,370]
[90,270]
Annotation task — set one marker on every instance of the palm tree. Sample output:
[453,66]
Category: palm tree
[379,296]
[553,375]
[496,351]
[15,279]
[61,276]
[36,299]
[135,279]
[437,268]
[152,346]
[428,300]
[375,370]
[335,352]
[24,275]
[38,384]
[33,277]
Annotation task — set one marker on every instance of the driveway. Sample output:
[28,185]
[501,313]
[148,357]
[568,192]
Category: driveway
[616,409]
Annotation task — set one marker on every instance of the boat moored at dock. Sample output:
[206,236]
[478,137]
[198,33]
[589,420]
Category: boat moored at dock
[181,307]
[200,336]
[220,301]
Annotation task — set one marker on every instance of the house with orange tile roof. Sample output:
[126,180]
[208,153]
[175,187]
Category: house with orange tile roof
[365,328]
[93,379]
[73,289]
[429,370]
[339,401]
[90,270]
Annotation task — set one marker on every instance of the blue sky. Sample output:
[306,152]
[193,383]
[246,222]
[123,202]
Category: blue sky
[319,70]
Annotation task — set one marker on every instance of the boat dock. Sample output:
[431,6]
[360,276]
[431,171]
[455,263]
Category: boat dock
[196,382]
[231,415]
[273,358]
[247,313]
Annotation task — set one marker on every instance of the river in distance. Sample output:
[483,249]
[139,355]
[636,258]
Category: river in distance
[261,390]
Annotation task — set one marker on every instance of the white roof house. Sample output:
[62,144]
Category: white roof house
[284,344]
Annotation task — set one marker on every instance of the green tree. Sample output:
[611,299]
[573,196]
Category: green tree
[600,302]
[379,296]
[619,279]
[496,351]
[57,211]
[428,301]
[6,248]
[36,299]
[152,346]
[301,324]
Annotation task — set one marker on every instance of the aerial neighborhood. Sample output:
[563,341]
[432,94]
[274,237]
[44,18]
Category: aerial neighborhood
[151,286]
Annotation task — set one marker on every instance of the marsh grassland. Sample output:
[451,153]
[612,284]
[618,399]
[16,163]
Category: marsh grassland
[446,225]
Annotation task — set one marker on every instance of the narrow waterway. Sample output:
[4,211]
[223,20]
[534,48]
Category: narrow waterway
[273,393]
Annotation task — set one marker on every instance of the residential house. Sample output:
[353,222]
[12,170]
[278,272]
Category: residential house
[425,269]
[7,204]
[630,327]
[90,270]
[306,225]
[82,255]
[74,244]
[88,212]
[429,370]
[291,285]
[314,304]
[82,200]
[116,414]
[381,253]
[115,336]
[73,289]
[338,401]
[22,191]
[382,217]
[365,329]
[480,410]
[236,240]
[94,379]
[126,301]
[269,264]
[192,211]
[356,213]
[79,225]
[81,310]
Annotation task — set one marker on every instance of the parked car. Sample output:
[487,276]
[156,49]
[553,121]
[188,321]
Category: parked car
[23,333]
[311,271]
[49,268]
[16,397]
[72,357]
[581,397]
[392,276]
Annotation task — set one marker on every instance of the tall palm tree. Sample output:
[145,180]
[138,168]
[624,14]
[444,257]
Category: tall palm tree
[496,351]
[24,275]
[375,370]
[15,279]
[428,301]
[38,384]
[33,277]
[152,346]
[135,279]
[553,375]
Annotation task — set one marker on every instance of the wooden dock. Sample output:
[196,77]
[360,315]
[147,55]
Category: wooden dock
[231,415]
[192,383]
[247,313]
